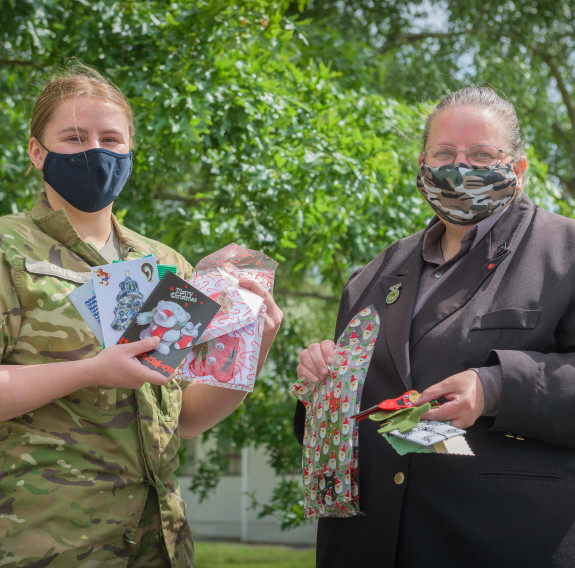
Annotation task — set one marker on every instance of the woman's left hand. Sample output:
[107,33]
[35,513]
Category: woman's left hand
[272,318]
[465,401]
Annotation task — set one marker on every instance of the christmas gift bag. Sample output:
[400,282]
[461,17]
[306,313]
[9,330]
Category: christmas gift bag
[330,454]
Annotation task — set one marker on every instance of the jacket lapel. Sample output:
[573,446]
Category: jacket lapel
[474,268]
[399,311]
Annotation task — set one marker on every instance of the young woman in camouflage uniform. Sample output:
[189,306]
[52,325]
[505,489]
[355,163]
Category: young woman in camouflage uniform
[88,437]
[478,311]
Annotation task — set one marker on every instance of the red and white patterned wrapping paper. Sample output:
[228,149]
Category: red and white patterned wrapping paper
[227,353]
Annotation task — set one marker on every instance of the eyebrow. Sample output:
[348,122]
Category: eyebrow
[79,129]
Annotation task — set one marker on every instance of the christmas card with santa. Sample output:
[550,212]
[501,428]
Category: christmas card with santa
[121,288]
[177,313]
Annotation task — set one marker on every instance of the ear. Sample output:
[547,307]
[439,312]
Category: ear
[420,159]
[36,152]
[519,167]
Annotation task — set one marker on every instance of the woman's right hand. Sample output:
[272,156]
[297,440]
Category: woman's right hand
[118,365]
[315,360]
[25,388]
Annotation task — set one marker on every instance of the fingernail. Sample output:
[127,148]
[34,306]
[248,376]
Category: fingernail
[324,371]
[329,360]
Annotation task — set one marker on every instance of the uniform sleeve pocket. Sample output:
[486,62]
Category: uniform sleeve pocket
[507,319]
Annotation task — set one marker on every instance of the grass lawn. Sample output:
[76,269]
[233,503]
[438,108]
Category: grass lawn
[226,555]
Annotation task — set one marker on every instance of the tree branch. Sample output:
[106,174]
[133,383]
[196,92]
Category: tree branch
[392,41]
[567,183]
[413,38]
[555,73]
[22,62]
[560,133]
[286,292]
[162,195]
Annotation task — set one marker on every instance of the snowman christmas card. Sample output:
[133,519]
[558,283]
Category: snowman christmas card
[177,313]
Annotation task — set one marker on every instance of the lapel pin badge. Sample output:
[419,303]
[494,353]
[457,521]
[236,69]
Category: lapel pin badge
[393,294]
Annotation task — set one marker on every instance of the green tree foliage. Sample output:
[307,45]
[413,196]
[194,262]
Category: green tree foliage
[291,128]
[418,50]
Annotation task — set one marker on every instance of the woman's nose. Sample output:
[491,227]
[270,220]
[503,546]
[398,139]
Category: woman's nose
[461,156]
[92,143]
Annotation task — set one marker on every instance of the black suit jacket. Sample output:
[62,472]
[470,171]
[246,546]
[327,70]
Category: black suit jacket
[513,503]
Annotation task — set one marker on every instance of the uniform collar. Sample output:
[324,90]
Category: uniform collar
[128,243]
[56,224]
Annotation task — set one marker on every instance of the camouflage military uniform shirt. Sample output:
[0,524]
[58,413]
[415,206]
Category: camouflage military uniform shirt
[80,477]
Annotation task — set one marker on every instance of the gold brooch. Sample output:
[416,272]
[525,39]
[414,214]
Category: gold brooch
[393,294]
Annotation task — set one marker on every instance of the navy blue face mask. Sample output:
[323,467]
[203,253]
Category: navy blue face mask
[90,180]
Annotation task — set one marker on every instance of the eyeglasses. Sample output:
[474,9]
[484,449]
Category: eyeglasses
[480,155]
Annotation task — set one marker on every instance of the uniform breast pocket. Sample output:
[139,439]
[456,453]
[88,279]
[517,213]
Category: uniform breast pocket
[169,400]
[507,319]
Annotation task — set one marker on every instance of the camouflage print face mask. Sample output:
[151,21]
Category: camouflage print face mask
[463,194]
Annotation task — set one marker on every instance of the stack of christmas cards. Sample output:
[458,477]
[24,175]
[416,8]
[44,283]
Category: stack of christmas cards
[127,301]
[121,289]
[115,294]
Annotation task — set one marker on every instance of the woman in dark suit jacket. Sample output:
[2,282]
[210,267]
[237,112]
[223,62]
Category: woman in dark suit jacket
[485,320]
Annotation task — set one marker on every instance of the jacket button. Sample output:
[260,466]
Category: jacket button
[399,478]
[129,537]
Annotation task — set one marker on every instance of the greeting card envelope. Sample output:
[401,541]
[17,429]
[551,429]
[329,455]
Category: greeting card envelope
[228,351]
[239,307]
[84,299]
[233,261]
[217,275]
[121,289]
[176,313]
[229,361]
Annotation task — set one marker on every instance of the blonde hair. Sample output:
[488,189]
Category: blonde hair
[483,97]
[78,79]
